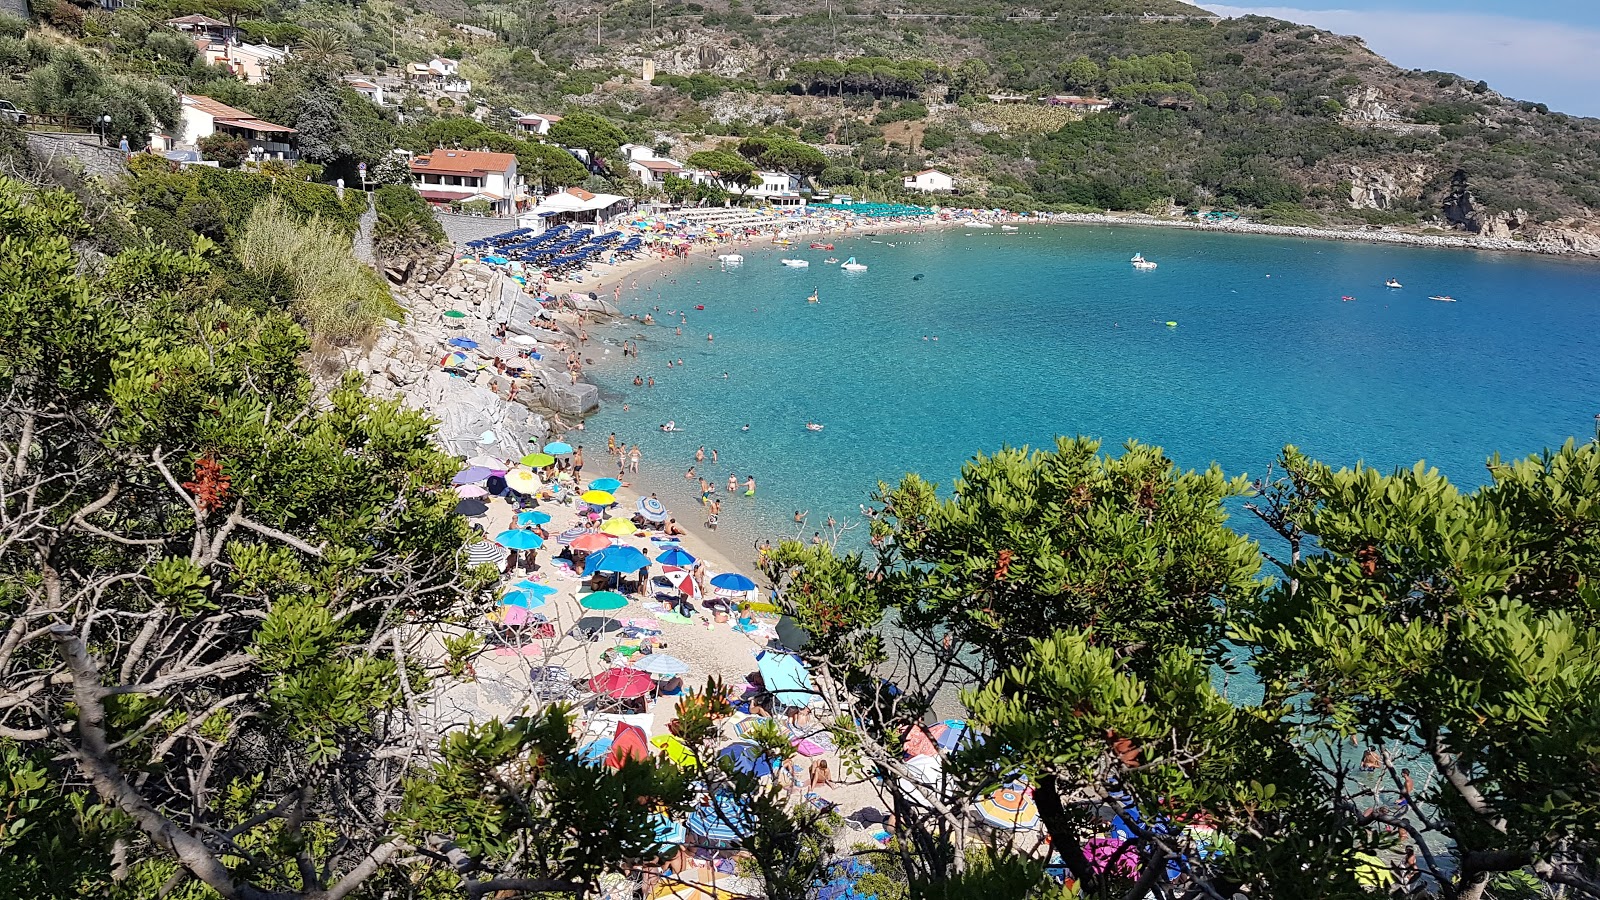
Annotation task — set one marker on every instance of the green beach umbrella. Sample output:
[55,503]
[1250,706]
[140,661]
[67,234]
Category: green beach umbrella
[603,601]
[538,460]
[455,314]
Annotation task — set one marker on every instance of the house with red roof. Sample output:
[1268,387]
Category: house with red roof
[464,176]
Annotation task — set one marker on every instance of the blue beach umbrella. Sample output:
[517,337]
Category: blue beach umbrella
[749,759]
[723,821]
[464,343]
[532,517]
[785,677]
[522,599]
[594,751]
[660,664]
[675,556]
[615,559]
[604,484]
[652,510]
[534,588]
[669,832]
[733,581]
[516,539]
[557,448]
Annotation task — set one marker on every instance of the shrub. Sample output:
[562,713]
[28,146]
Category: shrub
[312,266]
[227,150]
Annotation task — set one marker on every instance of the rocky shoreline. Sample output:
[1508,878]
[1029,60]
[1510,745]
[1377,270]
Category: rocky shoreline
[1548,241]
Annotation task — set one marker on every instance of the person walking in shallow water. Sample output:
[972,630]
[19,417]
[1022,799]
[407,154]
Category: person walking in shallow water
[750,486]
[633,460]
[733,483]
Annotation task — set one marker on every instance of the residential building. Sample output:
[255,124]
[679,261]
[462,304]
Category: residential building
[930,181]
[448,176]
[536,124]
[444,68]
[475,31]
[205,27]
[251,63]
[1085,104]
[365,87]
[203,117]
[777,189]
[441,73]
[648,166]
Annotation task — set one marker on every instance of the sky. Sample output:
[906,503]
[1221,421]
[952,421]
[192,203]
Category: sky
[1542,50]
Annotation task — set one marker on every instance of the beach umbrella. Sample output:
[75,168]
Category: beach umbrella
[1372,871]
[463,343]
[532,517]
[620,558]
[455,314]
[685,584]
[534,588]
[617,527]
[471,491]
[675,556]
[516,615]
[1010,808]
[622,683]
[483,552]
[629,742]
[661,664]
[673,749]
[604,484]
[602,601]
[538,460]
[926,769]
[558,448]
[589,542]
[918,743]
[733,581]
[748,758]
[488,462]
[517,539]
[747,726]
[1108,853]
[522,481]
[524,340]
[952,733]
[669,832]
[471,474]
[785,677]
[594,751]
[522,600]
[598,498]
[652,510]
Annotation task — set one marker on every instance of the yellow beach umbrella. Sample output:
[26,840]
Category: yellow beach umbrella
[673,749]
[1372,871]
[617,527]
[522,481]
[598,498]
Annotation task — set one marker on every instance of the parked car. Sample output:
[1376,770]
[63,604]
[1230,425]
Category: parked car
[10,113]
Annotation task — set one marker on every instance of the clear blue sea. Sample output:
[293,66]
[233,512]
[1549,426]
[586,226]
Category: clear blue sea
[1050,331]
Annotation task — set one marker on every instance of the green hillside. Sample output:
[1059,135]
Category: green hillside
[1290,123]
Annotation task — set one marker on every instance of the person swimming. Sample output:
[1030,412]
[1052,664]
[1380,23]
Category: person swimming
[917,277]
[671,425]
[746,427]
[814,426]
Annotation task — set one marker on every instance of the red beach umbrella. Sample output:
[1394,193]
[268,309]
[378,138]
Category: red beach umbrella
[621,683]
[629,743]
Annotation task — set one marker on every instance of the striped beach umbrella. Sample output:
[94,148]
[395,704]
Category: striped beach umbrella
[1010,808]
[661,664]
[668,832]
[723,821]
[652,510]
[483,552]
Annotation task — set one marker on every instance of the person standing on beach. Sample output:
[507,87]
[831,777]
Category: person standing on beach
[577,461]
[633,460]
[716,511]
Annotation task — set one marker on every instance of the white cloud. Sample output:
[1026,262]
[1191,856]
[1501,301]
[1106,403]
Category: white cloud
[1531,60]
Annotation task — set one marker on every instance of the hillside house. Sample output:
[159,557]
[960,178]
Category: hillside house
[1082,104]
[205,27]
[463,176]
[930,181]
[366,88]
[778,189]
[535,124]
[441,73]
[203,117]
[250,63]
[648,166]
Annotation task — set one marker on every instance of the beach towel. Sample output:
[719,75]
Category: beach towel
[672,618]
[529,650]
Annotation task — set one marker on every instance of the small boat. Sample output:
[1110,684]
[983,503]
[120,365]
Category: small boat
[850,265]
[812,298]
[1347,298]
[731,259]
[1172,324]
[819,246]
[796,263]
[1008,228]
[814,426]
[974,223]
[831,260]
[1444,298]
[1392,283]
[782,242]
[1139,262]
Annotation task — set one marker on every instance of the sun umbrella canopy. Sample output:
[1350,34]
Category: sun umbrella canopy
[622,684]
[786,677]
[604,484]
[471,491]
[471,474]
[480,553]
[535,588]
[733,581]
[673,749]
[558,448]
[488,462]
[723,821]
[748,758]
[616,559]
[464,343]
[919,744]
[675,556]
[524,340]
[522,599]
[538,460]
[532,517]
[1010,808]
[629,742]
[684,582]
[952,733]
[517,539]
[661,664]
[598,498]
[590,543]
[617,527]
[455,314]
[594,751]
[652,510]
[522,481]
[601,601]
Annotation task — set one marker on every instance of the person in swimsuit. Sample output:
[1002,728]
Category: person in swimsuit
[750,486]
[733,483]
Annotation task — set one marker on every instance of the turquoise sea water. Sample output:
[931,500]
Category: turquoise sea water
[1050,331]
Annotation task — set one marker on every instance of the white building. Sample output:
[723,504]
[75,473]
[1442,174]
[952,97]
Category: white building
[930,181]
[536,124]
[648,166]
[777,189]
[202,117]
[449,176]
[366,87]
[575,205]
[252,63]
